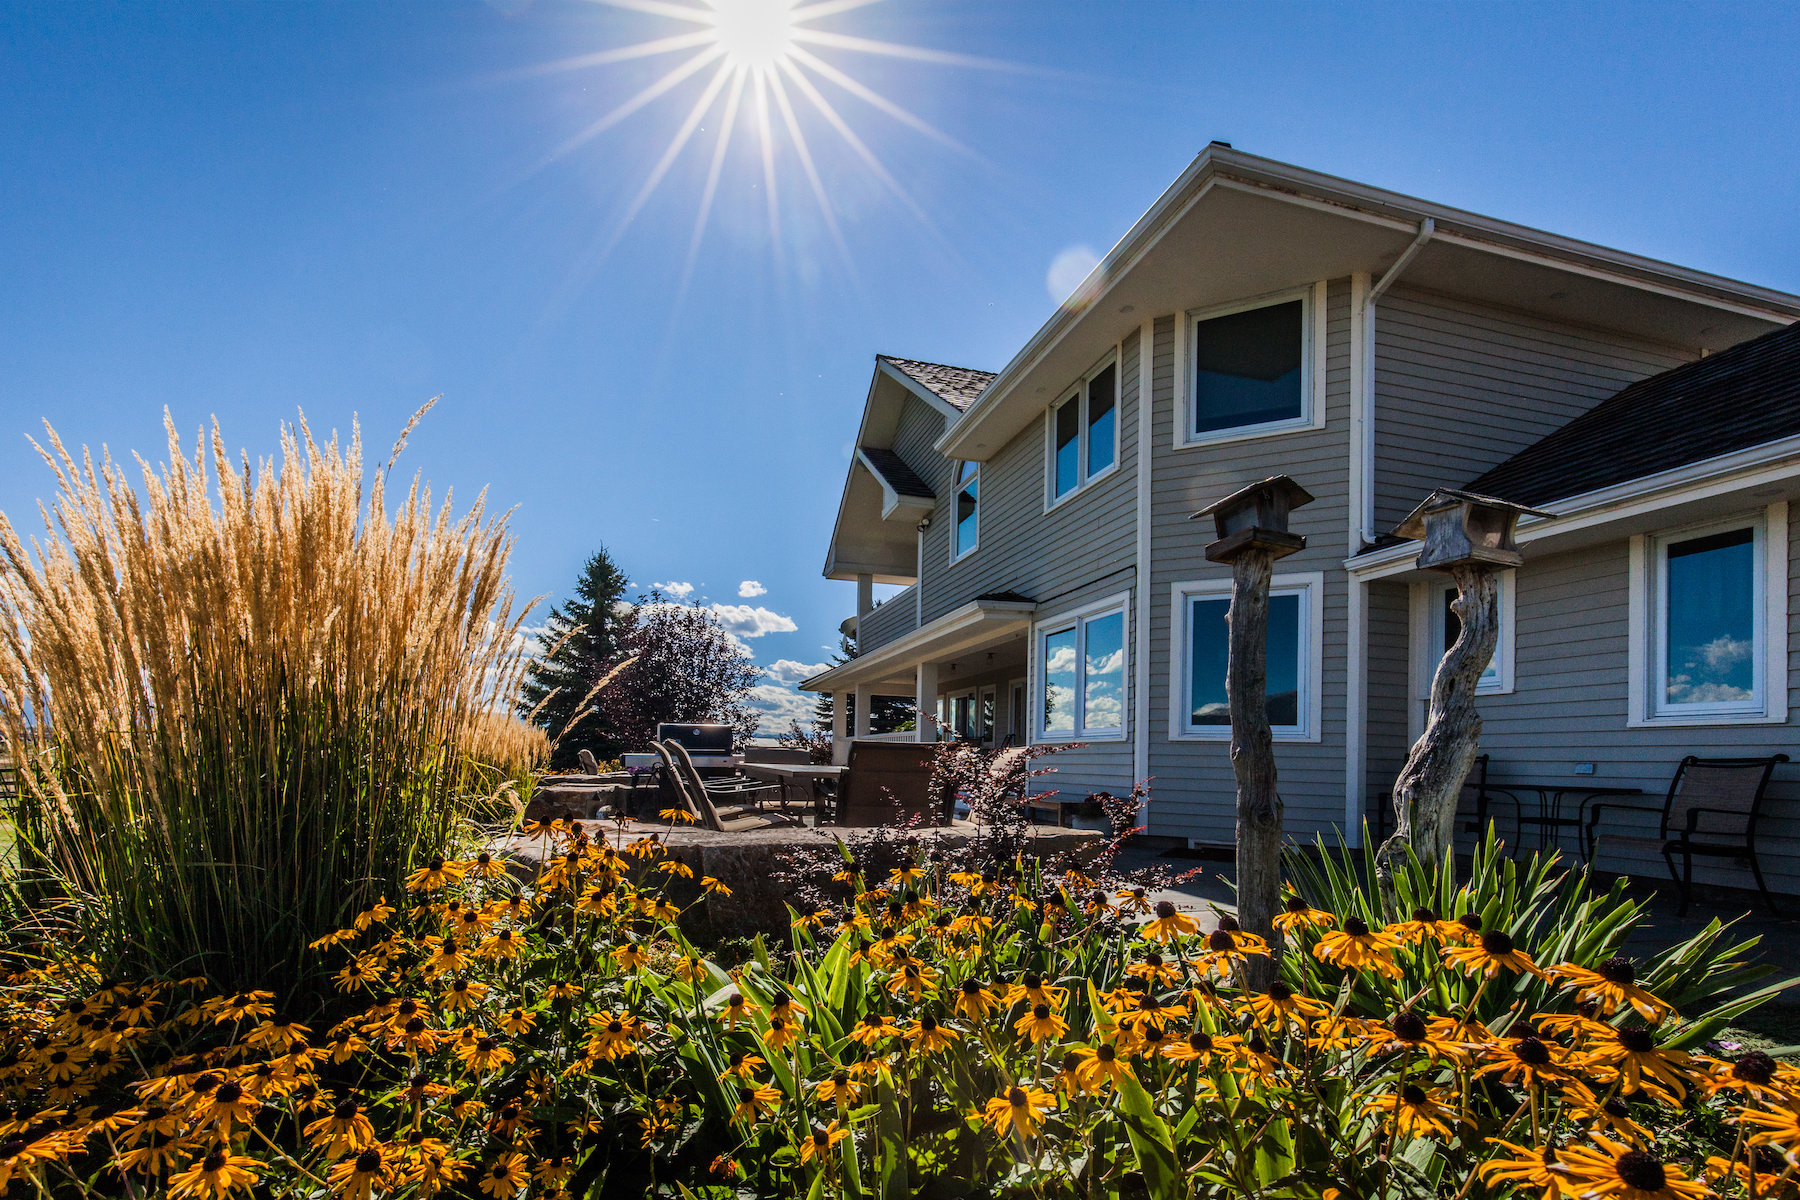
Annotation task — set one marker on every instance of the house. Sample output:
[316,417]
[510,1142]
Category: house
[1263,319]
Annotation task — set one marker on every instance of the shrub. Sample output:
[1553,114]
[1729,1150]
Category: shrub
[240,699]
[946,1033]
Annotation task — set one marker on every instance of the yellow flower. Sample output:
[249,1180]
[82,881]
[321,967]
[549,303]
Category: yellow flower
[1493,951]
[345,1131]
[483,1054]
[1611,984]
[228,1104]
[1416,1112]
[613,1036]
[434,875]
[914,978]
[975,1001]
[503,1177]
[1031,987]
[1169,923]
[503,945]
[1100,1067]
[1040,1023]
[214,1177]
[1616,1170]
[781,1031]
[630,956]
[820,1141]
[1538,1167]
[517,1022]
[1523,1061]
[713,886]
[743,1066]
[358,1178]
[1227,947]
[839,1088]
[928,1037]
[1020,1110]
[462,993]
[254,1005]
[755,1102]
[871,1029]
[1632,1055]
[1356,947]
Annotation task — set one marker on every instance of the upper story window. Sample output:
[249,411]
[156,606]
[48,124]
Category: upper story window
[1250,368]
[1709,634]
[1081,661]
[968,510]
[1084,431]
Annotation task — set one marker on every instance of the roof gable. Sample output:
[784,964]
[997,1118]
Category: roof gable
[956,386]
[1738,398]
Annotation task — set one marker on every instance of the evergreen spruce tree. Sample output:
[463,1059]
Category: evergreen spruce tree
[886,713]
[581,643]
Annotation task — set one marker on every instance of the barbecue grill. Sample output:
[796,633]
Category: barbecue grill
[707,745]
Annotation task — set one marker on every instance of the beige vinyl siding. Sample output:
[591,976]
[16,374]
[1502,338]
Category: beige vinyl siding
[892,618]
[1193,787]
[1389,612]
[1460,388]
[1569,707]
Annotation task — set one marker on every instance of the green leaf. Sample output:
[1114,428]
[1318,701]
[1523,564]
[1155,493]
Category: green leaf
[1150,1140]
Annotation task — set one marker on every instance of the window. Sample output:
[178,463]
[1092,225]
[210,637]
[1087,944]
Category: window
[985,716]
[1709,623]
[968,514]
[1200,708]
[1082,664]
[1250,368]
[1496,679]
[962,710]
[1084,431]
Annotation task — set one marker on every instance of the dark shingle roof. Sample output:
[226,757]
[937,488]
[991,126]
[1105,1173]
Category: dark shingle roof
[892,468]
[1007,597]
[956,386]
[1732,400]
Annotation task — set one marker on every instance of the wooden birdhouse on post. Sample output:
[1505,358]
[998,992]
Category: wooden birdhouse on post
[1471,538]
[1252,528]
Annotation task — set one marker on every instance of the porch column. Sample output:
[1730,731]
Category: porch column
[865,700]
[925,696]
[865,602]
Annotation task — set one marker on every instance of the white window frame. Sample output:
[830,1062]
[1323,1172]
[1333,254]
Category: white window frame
[1310,586]
[1312,368]
[1018,720]
[1076,394]
[1078,619]
[987,713]
[956,491]
[1426,599]
[1647,622]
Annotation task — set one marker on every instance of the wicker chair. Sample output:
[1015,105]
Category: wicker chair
[890,783]
[1711,810]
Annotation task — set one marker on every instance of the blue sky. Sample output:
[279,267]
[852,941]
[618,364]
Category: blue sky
[244,210]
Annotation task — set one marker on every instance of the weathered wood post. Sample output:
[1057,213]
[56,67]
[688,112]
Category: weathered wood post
[1471,538]
[1252,528]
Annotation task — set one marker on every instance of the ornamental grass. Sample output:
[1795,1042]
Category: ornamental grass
[241,698]
[936,1032]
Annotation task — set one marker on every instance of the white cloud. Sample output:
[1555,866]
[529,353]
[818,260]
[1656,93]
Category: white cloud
[750,588]
[748,621]
[788,672]
[1067,272]
[680,591]
[779,706]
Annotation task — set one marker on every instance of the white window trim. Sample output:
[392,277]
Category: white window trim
[1428,628]
[987,694]
[956,491]
[1076,394]
[1645,616]
[1311,585]
[1076,618]
[1020,720]
[950,699]
[1312,369]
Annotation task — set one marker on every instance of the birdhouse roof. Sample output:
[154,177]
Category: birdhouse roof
[1414,524]
[1296,495]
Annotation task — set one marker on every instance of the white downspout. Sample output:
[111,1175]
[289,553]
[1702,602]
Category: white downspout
[1365,409]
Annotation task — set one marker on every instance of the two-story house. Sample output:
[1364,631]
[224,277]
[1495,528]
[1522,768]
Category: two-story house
[1262,319]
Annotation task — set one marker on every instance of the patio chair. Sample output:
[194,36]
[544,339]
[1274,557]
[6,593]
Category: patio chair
[890,783]
[735,789]
[1711,810]
[685,780]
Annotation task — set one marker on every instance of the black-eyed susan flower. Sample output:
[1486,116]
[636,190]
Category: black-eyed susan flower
[975,1000]
[483,1054]
[612,1035]
[737,1010]
[631,956]
[1298,914]
[1133,900]
[755,1102]
[1100,1067]
[928,1036]
[872,1028]
[914,977]
[1169,923]
[1411,1030]
[1632,1056]
[781,1032]
[1531,1166]
[743,1066]
[503,1177]
[1019,1110]
[1525,1061]
[1611,1169]
[1415,1112]
[1611,1116]
[1223,950]
[1488,955]
[819,1143]
[1033,989]
[1611,984]
[1425,925]
[346,1131]
[1778,1126]
[360,1177]
[215,1176]
[517,1022]
[434,875]
[840,1088]
[1039,1023]
[1154,969]
[1281,1004]
[229,1104]
[1356,947]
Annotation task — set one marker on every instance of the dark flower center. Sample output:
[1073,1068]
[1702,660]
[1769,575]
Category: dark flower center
[840,1078]
[1641,1171]
[1041,1011]
[369,1161]
[1153,960]
[510,1113]
[1408,1026]
[1257,1045]
[1356,927]
[1532,1052]
[1220,939]
[228,1093]
[500,1170]
[214,1162]
[1637,1040]
[1470,921]
[415,1026]
[1200,1043]
[345,1110]
[821,1139]
[1618,969]
[1754,1067]
[1106,1054]
[1296,905]
[407,1008]
[1413,1094]
[615,1027]
[1229,923]
[971,987]
[928,1023]
[1496,943]
[1424,915]
[1017,1097]
[486,1045]
[206,1083]
[1280,992]
[1164,910]
[436,864]
[873,1020]
[1616,1107]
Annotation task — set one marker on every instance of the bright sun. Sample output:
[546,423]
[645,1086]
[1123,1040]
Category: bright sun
[754,34]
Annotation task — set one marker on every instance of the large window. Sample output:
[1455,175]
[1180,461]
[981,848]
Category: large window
[968,514]
[1084,431]
[1082,672]
[1200,705]
[1709,624]
[1250,368]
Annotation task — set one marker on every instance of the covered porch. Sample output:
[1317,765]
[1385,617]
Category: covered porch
[966,672]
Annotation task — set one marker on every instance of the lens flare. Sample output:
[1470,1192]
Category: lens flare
[756,35]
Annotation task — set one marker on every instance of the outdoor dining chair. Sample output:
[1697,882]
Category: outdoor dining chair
[1711,810]
[685,779]
[890,783]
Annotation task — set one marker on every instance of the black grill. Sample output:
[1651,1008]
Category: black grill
[698,739]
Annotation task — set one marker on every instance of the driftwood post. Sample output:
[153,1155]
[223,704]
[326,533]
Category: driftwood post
[1471,537]
[1252,527]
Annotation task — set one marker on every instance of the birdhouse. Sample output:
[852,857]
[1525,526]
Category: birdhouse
[1256,517]
[1461,528]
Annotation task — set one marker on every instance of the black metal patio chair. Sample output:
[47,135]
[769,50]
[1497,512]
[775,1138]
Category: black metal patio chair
[1711,810]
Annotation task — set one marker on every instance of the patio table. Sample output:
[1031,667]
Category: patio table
[1550,805]
[788,774]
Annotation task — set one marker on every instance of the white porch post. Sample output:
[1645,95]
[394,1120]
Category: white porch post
[839,729]
[865,602]
[925,695]
[865,700]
